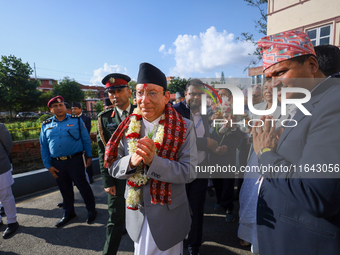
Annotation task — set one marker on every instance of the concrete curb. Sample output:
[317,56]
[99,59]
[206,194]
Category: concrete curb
[38,180]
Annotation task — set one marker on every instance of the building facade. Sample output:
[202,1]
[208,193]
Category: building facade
[320,20]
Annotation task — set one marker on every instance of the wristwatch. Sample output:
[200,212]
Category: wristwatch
[263,150]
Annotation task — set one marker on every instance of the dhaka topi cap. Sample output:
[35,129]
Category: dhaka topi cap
[283,46]
[151,74]
[114,81]
[57,99]
[180,94]
[76,104]
[107,102]
[67,105]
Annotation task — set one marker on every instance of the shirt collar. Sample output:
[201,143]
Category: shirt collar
[120,112]
[66,117]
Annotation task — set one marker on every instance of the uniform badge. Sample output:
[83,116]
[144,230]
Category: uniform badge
[69,125]
[111,126]
[112,80]
[50,128]
[58,100]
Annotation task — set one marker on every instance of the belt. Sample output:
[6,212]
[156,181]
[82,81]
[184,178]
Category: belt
[69,157]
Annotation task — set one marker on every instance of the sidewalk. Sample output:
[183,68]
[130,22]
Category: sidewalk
[38,213]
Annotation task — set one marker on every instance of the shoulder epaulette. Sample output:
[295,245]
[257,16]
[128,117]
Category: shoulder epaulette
[47,121]
[105,111]
[74,116]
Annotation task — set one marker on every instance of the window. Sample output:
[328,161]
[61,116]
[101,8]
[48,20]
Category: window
[50,82]
[259,79]
[320,35]
[253,80]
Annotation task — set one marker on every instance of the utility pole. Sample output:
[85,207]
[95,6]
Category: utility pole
[35,71]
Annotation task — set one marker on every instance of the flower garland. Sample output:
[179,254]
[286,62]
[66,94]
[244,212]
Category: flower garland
[139,178]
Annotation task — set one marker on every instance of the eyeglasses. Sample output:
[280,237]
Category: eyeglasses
[150,94]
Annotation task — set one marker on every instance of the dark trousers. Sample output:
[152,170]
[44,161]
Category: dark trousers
[116,222]
[89,171]
[224,192]
[196,192]
[72,170]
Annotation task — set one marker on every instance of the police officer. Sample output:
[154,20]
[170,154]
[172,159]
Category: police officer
[63,139]
[108,121]
[68,108]
[76,110]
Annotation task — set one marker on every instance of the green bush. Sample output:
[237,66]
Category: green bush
[44,117]
[94,149]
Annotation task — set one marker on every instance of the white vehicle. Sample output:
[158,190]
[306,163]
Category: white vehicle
[27,115]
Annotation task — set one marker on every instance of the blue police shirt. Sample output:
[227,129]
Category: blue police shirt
[62,138]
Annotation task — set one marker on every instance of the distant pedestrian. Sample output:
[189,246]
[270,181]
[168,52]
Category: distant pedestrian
[6,180]
[328,57]
[77,110]
[68,108]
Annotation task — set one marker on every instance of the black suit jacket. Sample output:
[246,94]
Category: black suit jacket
[87,121]
[297,214]
[183,110]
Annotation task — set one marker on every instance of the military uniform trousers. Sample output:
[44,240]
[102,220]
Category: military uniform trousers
[116,222]
[73,170]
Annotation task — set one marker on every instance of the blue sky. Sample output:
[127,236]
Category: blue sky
[85,40]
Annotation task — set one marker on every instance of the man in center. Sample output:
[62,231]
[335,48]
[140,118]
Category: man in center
[155,149]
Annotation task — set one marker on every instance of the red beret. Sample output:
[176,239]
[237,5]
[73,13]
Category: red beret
[57,99]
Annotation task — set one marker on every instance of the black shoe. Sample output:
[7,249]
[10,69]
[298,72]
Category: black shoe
[230,217]
[10,230]
[60,204]
[2,212]
[91,181]
[65,219]
[193,251]
[91,216]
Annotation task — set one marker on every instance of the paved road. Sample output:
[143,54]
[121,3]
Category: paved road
[38,213]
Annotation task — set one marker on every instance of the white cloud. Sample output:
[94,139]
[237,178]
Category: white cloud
[209,51]
[100,73]
[161,48]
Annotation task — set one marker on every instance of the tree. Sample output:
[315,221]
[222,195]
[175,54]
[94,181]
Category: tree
[90,93]
[17,91]
[69,89]
[132,86]
[260,27]
[213,83]
[99,107]
[177,84]
[222,80]
[44,98]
